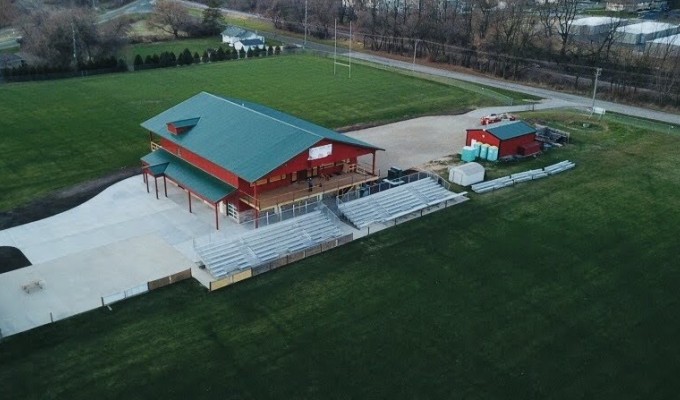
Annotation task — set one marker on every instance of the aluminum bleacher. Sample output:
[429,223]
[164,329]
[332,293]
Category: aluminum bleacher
[268,243]
[397,202]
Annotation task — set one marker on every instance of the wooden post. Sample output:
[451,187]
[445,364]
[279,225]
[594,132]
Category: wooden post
[257,211]
[146,179]
[217,221]
[189,194]
[373,168]
[165,186]
[155,182]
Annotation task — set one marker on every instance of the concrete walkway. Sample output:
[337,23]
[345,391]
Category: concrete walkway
[120,239]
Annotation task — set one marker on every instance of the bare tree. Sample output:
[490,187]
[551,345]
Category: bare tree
[170,16]
[8,13]
[66,37]
[557,17]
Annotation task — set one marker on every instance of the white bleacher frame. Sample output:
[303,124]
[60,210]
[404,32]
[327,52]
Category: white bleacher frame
[230,256]
[420,191]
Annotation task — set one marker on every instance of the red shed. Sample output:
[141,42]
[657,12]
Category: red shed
[511,138]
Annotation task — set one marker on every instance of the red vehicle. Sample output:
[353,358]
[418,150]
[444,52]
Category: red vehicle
[493,118]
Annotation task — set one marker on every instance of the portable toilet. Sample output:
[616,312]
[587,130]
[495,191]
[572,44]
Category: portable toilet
[483,151]
[468,154]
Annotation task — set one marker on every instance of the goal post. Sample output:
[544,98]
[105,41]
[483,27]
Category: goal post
[342,63]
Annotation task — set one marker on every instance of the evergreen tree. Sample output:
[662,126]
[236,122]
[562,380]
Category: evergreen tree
[188,58]
[249,53]
[206,56]
[197,58]
[270,51]
[277,50]
[138,62]
[241,53]
[219,54]
[213,20]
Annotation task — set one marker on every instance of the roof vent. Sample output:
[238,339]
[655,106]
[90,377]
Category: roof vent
[182,126]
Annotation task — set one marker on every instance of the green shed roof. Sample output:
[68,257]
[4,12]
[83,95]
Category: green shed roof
[511,129]
[198,181]
[248,139]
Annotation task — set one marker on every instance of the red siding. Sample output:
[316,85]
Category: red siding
[505,147]
[483,136]
[200,162]
[510,147]
[340,152]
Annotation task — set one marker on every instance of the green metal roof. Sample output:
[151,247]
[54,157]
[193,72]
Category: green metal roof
[248,139]
[511,129]
[196,180]
[185,123]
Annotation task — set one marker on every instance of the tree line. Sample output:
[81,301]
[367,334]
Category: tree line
[186,57]
[527,40]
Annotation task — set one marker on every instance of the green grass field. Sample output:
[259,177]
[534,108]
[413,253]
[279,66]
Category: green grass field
[84,128]
[563,288]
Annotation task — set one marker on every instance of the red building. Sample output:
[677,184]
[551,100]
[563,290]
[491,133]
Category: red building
[511,138]
[244,157]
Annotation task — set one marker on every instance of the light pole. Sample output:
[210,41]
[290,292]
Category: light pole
[304,44]
[597,75]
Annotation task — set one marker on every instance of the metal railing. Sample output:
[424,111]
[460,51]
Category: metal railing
[320,187]
[367,190]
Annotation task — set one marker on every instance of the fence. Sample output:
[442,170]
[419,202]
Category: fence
[287,212]
[279,262]
[145,287]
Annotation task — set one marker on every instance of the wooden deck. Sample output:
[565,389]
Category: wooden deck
[299,191]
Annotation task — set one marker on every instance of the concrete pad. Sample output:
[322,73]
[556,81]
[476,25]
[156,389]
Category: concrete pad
[419,141]
[77,282]
[120,212]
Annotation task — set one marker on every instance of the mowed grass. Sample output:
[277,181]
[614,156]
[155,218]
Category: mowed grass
[63,132]
[563,288]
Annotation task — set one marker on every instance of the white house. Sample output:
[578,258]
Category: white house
[249,44]
[233,34]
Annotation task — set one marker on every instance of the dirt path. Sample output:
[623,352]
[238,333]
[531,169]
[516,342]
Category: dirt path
[62,200]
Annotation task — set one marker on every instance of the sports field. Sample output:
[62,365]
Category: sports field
[59,133]
[564,288]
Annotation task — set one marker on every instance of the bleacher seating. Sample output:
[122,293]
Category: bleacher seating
[396,202]
[267,243]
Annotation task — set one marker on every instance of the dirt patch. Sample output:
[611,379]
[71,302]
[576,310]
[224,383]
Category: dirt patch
[360,126]
[62,200]
[12,258]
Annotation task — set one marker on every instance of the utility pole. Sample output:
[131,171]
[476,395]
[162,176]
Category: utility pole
[598,71]
[75,53]
[304,44]
[415,48]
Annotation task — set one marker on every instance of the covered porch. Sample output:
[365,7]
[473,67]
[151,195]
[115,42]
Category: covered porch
[301,190]
[161,164]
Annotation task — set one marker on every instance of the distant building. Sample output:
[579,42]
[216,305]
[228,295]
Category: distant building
[661,47]
[626,5]
[233,34]
[249,44]
[511,138]
[593,26]
[640,33]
